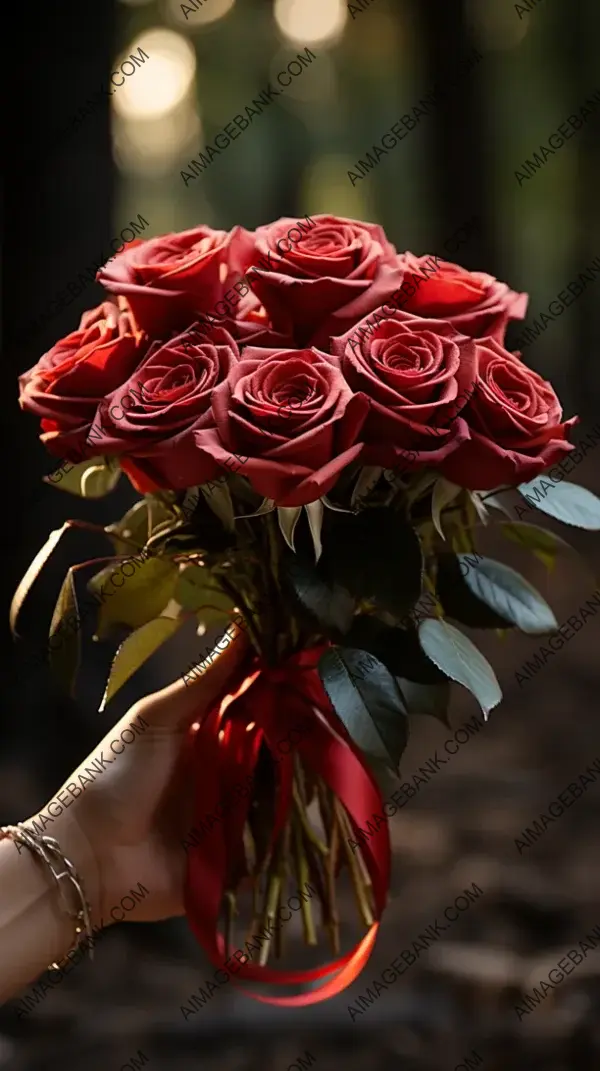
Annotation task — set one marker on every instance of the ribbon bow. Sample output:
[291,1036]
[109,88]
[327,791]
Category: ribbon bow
[226,749]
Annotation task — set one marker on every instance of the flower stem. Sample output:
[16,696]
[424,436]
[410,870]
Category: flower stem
[358,882]
[302,875]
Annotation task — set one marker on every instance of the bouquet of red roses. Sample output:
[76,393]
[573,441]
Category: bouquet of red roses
[317,426]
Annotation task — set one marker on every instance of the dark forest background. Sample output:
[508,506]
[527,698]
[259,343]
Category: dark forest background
[66,193]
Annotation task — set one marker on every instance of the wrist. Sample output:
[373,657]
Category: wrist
[76,846]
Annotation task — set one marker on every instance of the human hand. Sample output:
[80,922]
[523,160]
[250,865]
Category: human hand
[126,825]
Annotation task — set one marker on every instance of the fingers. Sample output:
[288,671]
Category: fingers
[179,703]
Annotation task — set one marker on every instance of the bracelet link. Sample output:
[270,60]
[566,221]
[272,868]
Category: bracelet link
[74,900]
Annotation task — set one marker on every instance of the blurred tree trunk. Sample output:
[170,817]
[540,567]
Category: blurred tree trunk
[456,129]
[58,206]
[577,51]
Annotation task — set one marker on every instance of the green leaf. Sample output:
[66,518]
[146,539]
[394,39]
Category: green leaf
[132,527]
[510,595]
[100,479]
[432,699]
[544,544]
[367,700]
[288,517]
[460,660]
[139,524]
[140,598]
[28,580]
[565,501]
[457,596]
[332,605]
[376,554]
[197,592]
[398,648]
[93,478]
[64,642]
[314,512]
[444,492]
[136,650]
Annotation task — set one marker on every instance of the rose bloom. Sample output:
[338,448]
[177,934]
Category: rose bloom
[68,383]
[291,419]
[168,280]
[475,303]
[247,324]
[317,280]
[150,420]
[417,375]
[515,420]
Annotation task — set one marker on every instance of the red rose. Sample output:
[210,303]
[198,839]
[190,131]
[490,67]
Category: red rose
[68,383]
[475,303]
[317,278]
[170,279]
[291,418]
[248,324]
[150,420]
[418,375]
[515,420]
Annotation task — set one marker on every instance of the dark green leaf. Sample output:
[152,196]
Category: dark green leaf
[457,596]
[432,699]
[367,700]
[137,649]
[399,649]
[509,594]
[64,642]
[460,660]
[565,501]
[332,605]
[544,544]
[376,554]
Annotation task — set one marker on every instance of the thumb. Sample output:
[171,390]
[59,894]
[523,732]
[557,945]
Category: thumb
[177,705]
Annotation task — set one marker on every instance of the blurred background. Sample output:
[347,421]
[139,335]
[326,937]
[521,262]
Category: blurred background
[81,165]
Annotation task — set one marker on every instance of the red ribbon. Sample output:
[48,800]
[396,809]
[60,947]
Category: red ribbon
[269,703]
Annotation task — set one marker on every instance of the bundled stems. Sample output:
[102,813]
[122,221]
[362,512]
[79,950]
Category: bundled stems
[302,875]
[361,889]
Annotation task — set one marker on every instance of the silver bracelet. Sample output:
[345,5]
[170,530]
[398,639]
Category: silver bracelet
[76,906]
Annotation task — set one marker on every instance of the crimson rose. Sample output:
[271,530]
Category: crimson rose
[150,420]
[418,375]
[291,418]
[515,420]
[474,302]
[168,280]
[316,281]
[68,383]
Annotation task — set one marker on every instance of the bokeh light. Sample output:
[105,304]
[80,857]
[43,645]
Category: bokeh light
[153,147]
[162,82]
[494,26]
[210,11]
[311,22]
